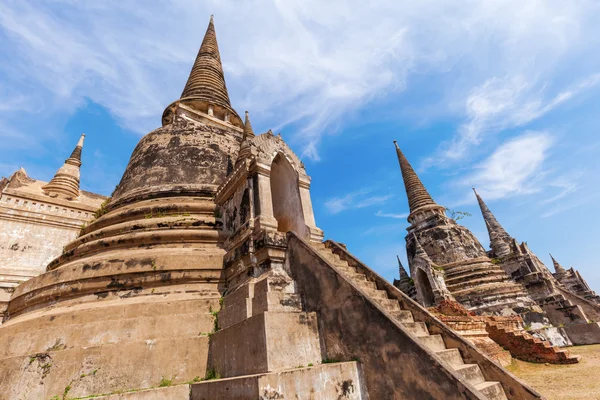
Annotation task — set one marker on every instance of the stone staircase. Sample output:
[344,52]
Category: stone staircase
[470,372]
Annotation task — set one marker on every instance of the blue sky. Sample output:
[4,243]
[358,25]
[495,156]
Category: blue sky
[503,95]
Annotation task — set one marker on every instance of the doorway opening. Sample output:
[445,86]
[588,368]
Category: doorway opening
[287,205]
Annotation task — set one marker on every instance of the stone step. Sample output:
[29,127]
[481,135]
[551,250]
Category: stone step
[389,304]
[343,264]
[319,246]
[402,316]
[492,390]
[435,343]
[470,274]
[507,288]
[346,270]
[367,285]
[451,356]
[467,282]
[418,328]
[471,372]
[377,294]
[358,277]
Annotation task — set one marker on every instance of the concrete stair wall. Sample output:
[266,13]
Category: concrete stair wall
[461,361]
[435,343]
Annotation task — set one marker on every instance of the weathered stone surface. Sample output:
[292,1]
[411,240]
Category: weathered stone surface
[323,382]
[581,334]
[267,342]
[186,157]
[101,348]
[179,392]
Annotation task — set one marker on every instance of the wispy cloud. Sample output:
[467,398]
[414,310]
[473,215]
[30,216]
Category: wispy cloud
[516,167]
[566,184]
[391,215]
[309,63]
[501,104]
[568,205]
[360,199]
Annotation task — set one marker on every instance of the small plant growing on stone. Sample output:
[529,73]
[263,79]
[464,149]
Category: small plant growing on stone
[66,391]
[211,374]
[102,210]
[329,361]
[310,364]
[164,382]
[215,315]
[457,215]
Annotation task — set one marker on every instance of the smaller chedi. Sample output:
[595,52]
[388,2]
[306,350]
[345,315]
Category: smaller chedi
[448,263]
[38,218]
[572,280]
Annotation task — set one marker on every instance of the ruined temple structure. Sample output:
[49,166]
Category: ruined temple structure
[205,277]
[509,282]
[448,262]
[572,280]
[570,307]
[37,219]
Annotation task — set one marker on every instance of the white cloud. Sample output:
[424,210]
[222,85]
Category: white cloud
[516,167]
[391,215]
[500,104]
[310,63]
[360,199]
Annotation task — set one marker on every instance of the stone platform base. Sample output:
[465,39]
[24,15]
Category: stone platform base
[323,382]
[581,334]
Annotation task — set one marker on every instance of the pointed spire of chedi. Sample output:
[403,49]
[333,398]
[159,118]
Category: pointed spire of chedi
[500,240]
[66,181]
[205,89]
[402,271]
[206,79]
[557,267]
[419,200]
[248,132]
[246,139]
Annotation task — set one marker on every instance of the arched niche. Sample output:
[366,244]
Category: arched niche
[285,197]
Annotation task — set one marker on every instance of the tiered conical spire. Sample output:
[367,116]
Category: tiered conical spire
[557,267]
[246,138]
[206,80]
[402,271]
[500,240]
[66,180]
[416,192]
[419,200]
[248,132]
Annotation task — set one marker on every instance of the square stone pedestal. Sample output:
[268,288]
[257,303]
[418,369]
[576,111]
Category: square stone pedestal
[266,342]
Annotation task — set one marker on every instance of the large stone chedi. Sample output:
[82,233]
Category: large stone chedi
[131,300]
[448,262]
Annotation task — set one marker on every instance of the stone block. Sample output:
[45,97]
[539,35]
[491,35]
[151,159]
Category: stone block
[554,335]
[324,382]
[581,334]
[276,301]
[265,343]
[234,313]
